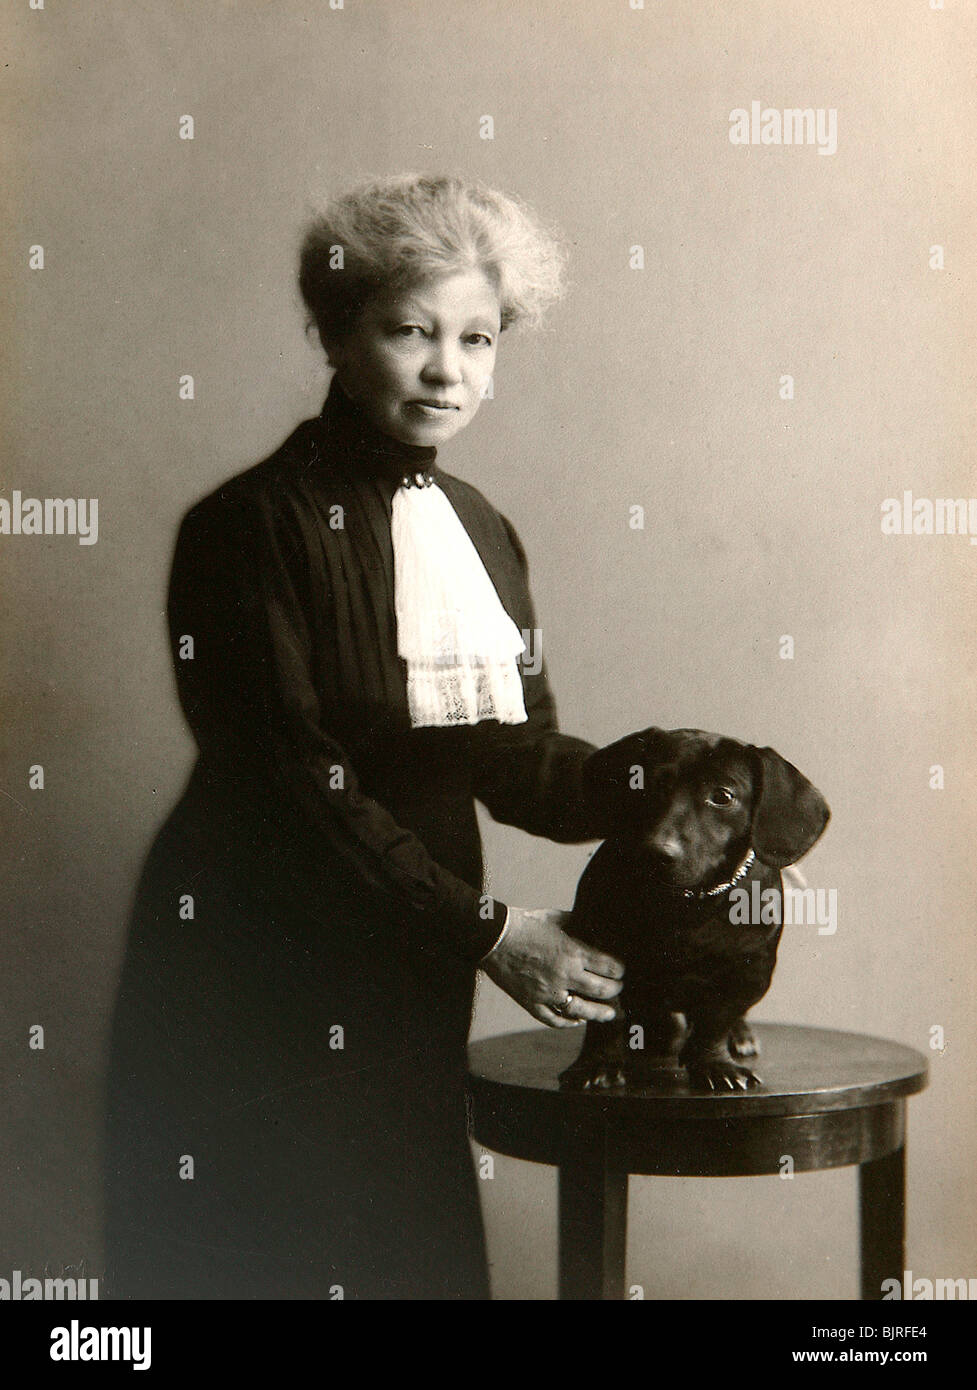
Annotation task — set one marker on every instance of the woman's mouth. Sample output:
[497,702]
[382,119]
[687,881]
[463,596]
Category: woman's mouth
[432,408]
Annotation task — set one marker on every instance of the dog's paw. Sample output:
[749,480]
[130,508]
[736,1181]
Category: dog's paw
[742,1041]
[593,1076]
[720,1074]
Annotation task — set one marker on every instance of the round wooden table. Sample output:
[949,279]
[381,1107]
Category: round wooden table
[828,1100]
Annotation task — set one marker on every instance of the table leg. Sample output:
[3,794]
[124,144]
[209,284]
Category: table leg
[882,1211]
[593,1229]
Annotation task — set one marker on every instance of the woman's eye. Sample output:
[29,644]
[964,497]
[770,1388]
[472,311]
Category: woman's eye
[406,330]
[721,796]
[480,339]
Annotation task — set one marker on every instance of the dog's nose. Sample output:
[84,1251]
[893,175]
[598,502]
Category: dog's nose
[667,844]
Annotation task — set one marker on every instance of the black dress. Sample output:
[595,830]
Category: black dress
[285,1104]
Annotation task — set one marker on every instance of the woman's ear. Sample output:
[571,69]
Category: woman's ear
[332,347]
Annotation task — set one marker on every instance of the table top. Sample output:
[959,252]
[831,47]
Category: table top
[803,1070]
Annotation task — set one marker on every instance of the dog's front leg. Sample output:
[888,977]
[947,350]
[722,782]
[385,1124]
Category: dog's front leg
[706,1055]
[603,1058]
[742,1040]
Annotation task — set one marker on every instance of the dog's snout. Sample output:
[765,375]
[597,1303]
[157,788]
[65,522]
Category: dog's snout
[667,843]
[667,838]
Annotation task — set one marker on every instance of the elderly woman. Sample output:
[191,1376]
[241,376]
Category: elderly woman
[286,1111]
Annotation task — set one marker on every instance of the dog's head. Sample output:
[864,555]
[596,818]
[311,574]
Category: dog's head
[694,803]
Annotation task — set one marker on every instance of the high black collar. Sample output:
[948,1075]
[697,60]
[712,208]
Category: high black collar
[372,453]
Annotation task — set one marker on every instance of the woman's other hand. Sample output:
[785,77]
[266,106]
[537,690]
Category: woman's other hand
[539,964]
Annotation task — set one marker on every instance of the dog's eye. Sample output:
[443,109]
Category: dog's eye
[721,796]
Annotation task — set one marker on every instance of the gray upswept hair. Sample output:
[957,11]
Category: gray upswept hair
[396,231]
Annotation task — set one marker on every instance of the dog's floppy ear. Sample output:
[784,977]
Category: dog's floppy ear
[789,814]
[613,791]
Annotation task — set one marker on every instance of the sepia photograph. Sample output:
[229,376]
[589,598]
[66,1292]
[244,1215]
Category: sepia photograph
[488,537]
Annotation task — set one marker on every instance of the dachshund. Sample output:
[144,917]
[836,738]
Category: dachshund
[686,817]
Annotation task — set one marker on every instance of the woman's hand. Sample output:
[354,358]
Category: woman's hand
[539,964]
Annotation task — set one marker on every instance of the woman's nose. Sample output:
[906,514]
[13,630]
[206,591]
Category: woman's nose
[443,364]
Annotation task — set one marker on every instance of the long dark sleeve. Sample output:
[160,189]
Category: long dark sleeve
[531,775]
[240,588]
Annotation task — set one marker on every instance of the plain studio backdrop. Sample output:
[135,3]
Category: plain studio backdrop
[657,387]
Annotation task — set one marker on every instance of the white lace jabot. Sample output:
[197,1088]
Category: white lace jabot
[459,643]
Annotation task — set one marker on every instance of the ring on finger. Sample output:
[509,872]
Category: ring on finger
[562,1007]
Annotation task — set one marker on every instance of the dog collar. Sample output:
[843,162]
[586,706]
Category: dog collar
[741,872]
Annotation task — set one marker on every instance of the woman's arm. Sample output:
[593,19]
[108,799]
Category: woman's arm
[531,775]
[248,694]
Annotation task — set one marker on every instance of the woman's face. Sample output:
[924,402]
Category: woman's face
[417,360]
